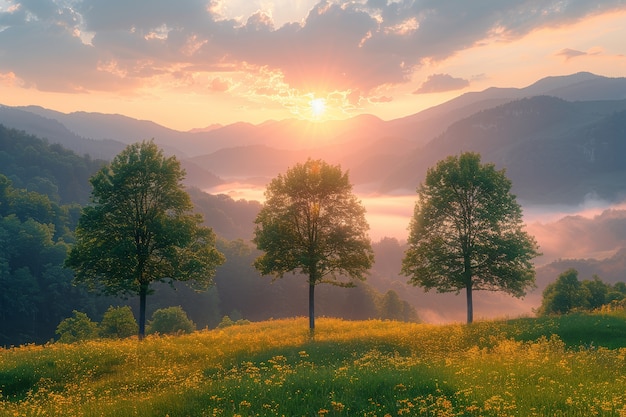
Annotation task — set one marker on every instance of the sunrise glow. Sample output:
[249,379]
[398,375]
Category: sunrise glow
[190,77]
[318,107]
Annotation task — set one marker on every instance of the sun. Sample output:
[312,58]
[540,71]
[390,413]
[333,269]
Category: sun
[318,107]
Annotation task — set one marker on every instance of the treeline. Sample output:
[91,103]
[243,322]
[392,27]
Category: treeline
[42,190]
[568,294]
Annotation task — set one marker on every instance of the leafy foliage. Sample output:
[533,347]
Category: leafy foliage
[139,230]
[467,232]
[77,328]
[567,294]
[171,320]
[118,322]
[312,223]
[227,322]
[34,232]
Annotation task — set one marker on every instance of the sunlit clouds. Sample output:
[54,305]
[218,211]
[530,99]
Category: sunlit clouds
[258,60]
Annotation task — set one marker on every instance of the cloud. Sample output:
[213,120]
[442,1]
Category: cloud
[116,45]
[219,85]
[568,53]
[438,83]
[381,99]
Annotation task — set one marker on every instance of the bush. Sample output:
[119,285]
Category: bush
[76,328]
[170,320]
[227,322]
[118,322]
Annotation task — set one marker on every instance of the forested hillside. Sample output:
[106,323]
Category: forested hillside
[554,151]
[42,190]
[50,169]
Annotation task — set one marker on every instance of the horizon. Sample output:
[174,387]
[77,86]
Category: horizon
[198,64]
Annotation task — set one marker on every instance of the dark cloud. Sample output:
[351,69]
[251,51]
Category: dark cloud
[143,15]
[340,46]
[438,83]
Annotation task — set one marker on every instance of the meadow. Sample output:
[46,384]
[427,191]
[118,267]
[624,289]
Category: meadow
[566,366]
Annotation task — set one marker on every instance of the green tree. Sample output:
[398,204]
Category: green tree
[311,222]
[171,320]
[139,229]
[118,322]
[391,307]
[564,295]
[76,328]
[467,232]
[597,292]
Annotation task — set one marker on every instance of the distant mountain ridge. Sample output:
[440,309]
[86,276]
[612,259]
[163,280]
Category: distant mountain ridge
[546,163]
[554,151]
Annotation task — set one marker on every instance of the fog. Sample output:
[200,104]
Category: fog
[594,229]
[581,231]
[387,215]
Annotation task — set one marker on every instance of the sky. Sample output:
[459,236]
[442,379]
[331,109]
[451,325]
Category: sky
[193,63]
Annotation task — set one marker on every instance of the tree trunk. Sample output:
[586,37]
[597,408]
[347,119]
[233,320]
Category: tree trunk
[470,305]
[311,305]
[467,275]
[143,291]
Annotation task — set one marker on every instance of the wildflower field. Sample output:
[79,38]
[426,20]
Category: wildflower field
[568,366]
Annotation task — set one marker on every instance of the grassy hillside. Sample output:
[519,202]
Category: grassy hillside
[569,366]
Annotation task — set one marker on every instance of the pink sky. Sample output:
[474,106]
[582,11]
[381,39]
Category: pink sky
[192,63]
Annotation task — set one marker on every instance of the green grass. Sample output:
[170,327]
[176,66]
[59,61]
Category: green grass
[566,366]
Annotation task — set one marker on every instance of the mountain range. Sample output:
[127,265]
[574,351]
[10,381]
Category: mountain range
[561,140]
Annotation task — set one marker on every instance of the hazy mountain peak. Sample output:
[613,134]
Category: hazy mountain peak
[547,84]
[206,129]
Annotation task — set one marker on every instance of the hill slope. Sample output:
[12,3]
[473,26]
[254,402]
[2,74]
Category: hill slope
[554,151]
[370,368]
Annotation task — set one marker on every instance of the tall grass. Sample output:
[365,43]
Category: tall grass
[570,366]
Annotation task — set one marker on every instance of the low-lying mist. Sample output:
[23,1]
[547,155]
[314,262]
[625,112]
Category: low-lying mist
[595,229]
[590,230]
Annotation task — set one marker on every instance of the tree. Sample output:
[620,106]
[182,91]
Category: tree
[171,320]
[564,295]
[77,328]
[467,232]
[597,292]
[118,322]
[139,229]
[311,222]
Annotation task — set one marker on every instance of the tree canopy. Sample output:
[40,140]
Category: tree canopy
[139,229]
[568,294]
[312,223]
[467,232]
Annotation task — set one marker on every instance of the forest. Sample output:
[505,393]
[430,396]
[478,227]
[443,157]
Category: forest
[42,190]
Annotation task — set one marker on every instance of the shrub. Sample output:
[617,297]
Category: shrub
[170,320]
[118,322]
[227,322]
[76,328]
